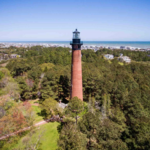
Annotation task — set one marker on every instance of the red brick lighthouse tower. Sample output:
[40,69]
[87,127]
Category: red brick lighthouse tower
[76,68]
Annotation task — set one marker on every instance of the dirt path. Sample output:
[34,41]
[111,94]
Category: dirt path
[36,104]
[27,128]
[24,129]
[33,102]
[4,64]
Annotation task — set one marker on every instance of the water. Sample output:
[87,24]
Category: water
[137,44]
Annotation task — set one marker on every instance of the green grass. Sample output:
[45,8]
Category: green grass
[120,63]
[49,138]
[109,61]
[37,110]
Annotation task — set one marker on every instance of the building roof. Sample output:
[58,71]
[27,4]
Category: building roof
[62,105]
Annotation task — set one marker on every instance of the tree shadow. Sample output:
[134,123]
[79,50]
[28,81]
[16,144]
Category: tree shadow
[42,114]
[59,127]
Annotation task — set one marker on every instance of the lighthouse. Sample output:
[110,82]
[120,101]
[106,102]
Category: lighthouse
[76,66]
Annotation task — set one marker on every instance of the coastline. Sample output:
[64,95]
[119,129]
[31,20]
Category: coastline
[104,44]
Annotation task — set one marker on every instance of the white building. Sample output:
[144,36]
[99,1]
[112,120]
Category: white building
[14,55]
[148,49]
[109,56]
[133,48]
[111,48]
[128,48]
[124,58]
[62,105]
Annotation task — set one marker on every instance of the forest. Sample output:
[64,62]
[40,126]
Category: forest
[115,113]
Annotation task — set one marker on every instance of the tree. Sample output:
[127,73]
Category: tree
[50,106]
[15,115]
[32,141]
[1,75]
[104,135]
[25,89]
[71,138]
[74,107]
[89,126]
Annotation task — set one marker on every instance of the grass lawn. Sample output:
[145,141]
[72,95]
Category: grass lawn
[49,138]
[109,61]
[120,63]
[37,110]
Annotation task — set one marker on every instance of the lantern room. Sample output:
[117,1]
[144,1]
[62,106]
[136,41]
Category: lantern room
[76,39]
[76,34]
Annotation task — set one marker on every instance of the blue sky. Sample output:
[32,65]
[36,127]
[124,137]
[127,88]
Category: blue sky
[53,20]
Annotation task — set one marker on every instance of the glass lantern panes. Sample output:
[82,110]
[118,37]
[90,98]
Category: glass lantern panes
[76,34]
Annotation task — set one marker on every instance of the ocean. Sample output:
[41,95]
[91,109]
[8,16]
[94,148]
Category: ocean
[137,44]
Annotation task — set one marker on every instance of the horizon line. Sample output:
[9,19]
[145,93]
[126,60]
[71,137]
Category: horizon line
[69,40]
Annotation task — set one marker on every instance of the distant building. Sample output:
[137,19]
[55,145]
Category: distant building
[122,47]
[4,57]
[7,57]
[128,48]
[14,56]
[109,56]
[121,54]
[142,50]
[133,48]
[148,49]
[111,48]
[124,58]
[96,49]
[2,45]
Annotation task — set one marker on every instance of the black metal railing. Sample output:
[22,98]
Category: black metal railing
[71,43]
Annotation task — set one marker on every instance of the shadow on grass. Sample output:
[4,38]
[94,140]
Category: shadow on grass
[42,114]
[59,127]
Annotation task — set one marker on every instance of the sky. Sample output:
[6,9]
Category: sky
[55,20]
